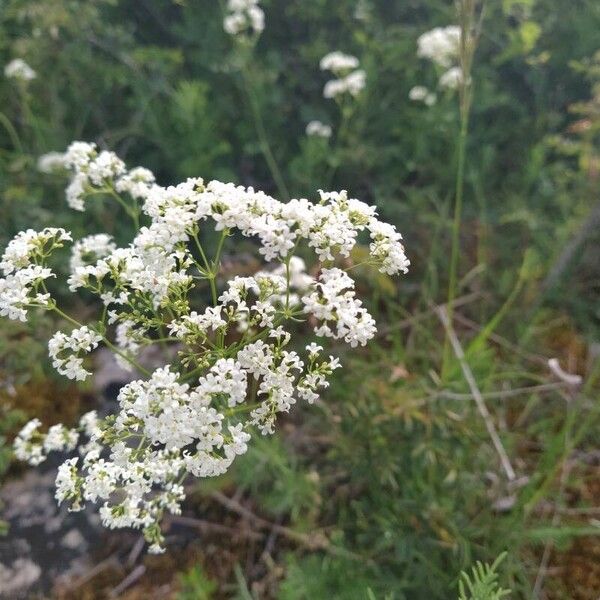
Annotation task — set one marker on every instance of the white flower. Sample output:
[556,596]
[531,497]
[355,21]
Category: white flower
[51,162]
[430,99]
[418,93]
[318,129]
[28,443]
[67,480]
[244,16]
[387,249]
[29,245]
[351,84]
[350,79]
[313,349]
[64,350]
[231,368]
[440,45]
[91,170]
[19,291]
[342,315]
[137,183]
[20,70]
[89,249]
[338,62]
[451,79]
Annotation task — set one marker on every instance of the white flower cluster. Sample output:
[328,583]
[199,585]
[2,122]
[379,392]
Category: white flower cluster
[93,171]
[244,16]
[442,47]
[20,70]
[420,93]
[24,268]
[349,78]
[318,129]
[51,162]
[89,249]
[33,446]
[64,350]
[234,369]
[334,303]
[451,79]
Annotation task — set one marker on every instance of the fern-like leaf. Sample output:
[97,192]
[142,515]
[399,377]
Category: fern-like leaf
[482,582]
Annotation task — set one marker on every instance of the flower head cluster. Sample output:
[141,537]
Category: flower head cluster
[20,70]
[24,267]
[33,446]
[93,171]
[89,249]
[420,93]
[442,47]
[51,162]
[234,367]
[244,16]
[349,78]
[65,350]
[451,79]
[318,129]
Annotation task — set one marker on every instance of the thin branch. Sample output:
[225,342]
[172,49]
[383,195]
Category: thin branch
[132,578]
[479,401]
[556,518]
[208,526]
[111,561]
[505,394]
[501,341]
[410,321]
[313,541]
[566,258]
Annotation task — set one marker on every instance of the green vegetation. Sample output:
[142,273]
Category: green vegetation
[397,483]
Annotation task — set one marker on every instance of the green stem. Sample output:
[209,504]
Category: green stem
[130,210]
[466,14]
[263,139]
[12,132]
[339,138]
[217,258]
[210,275]
[107,342]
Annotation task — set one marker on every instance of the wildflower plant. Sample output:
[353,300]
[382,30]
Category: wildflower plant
[233,370]
[243,16]
[350,79]
[18,69]
[441,46]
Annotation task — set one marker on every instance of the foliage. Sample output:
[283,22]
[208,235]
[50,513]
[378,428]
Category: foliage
[395,467]
[482,583]
[195,585]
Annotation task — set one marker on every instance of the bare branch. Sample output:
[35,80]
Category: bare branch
[479,401]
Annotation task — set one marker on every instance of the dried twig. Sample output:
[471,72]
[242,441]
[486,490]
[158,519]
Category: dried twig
[111,561]
[556,518]
[410,321]
[128,581]
[487,418]
[135,552]
[501,341]
[204,525]
[505,394]
[313,541]
[566,258]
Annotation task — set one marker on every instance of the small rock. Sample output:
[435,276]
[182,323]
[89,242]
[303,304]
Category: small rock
[18,577]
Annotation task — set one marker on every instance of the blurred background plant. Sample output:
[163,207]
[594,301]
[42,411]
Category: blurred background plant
[392,486]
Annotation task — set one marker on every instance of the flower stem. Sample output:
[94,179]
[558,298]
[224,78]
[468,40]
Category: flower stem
[466,10]
[107,342]
[263,140]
